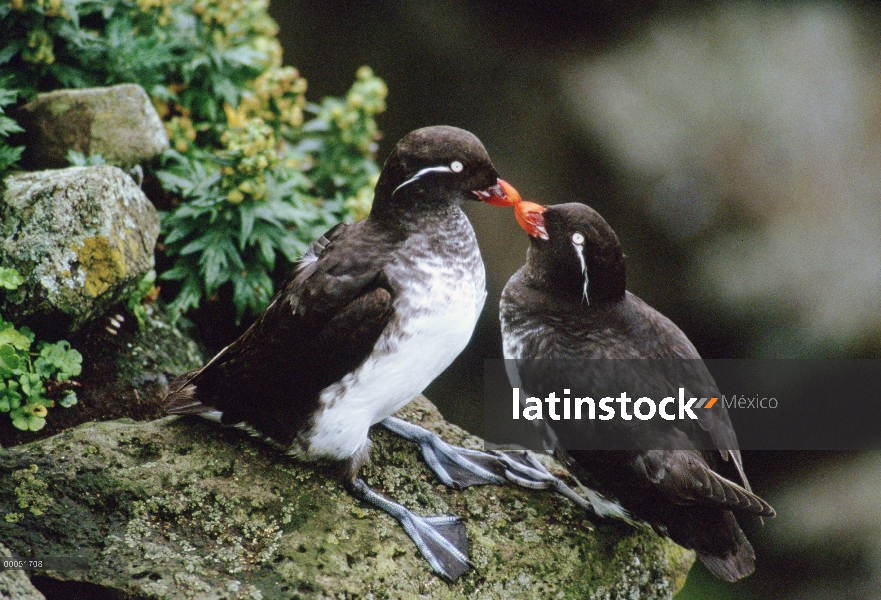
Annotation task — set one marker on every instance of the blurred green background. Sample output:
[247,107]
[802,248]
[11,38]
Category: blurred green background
[736,150]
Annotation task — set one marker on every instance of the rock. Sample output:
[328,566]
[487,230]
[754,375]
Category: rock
[82,237]
[181,508]
[15,585]
[117,122]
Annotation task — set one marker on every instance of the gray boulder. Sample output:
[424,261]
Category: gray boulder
[117,122]
[82,237]
[181,508]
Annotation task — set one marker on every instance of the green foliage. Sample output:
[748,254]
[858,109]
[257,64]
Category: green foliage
[142,296]
[268,192]
[254,172]
[9,155]
[27,376]
[10,278]
[78,159]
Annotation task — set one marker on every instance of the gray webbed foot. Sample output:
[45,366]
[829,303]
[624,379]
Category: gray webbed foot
[441,540]
[460,467]
[525,470]
[456,467]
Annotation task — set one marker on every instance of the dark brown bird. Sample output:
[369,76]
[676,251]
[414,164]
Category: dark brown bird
[569,301]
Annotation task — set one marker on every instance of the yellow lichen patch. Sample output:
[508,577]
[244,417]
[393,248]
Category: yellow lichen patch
[103,264]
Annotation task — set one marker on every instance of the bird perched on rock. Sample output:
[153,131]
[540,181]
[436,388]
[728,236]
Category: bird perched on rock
[371,315]
[568,302]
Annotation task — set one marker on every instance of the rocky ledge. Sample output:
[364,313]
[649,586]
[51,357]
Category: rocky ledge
[180,508]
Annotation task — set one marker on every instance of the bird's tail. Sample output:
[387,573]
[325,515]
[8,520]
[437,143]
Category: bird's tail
[724,549]
[181,398]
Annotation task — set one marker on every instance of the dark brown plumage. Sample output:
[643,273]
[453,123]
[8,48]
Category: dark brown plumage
[569,302]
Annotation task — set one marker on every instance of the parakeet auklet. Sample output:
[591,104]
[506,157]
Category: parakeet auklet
[569,302]
[372,314]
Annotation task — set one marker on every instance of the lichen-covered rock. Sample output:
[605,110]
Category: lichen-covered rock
[15,585]
[118,122]
[180,508]
[82,237]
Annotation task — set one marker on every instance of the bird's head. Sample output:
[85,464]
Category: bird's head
[573,251]
[433,168]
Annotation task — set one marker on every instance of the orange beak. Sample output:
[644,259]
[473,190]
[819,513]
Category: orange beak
[509,198]
[495,195]
[528,214]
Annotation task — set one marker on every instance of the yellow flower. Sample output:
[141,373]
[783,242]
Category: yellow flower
[233,117]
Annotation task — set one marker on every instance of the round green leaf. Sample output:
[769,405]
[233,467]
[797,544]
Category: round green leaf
[35,423]
[68,400]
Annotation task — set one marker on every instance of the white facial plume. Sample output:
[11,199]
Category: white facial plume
[578,243]
[454,167]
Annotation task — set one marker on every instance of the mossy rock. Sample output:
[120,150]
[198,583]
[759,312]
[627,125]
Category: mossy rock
[117,122]
[82,238]
[181,508]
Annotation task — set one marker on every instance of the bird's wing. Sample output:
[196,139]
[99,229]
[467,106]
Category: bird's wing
[684,477]
[689,371]
[320,326]
[715,421]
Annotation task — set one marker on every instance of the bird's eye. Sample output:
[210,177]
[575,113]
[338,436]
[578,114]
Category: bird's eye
[456,166]
[577,238]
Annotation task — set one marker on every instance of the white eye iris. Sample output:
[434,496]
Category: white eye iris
[577,238]
[456,166]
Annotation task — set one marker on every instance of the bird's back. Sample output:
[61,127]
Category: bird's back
[626,345]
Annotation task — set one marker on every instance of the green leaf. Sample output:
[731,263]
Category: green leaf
[267,252]
[253,291]
[68,400]
[31,385]
[9,156]
[5,55]
[248,215]
[214,265]
[78,159]
[189,297]
[60,356]
[10,278]
[35,423]
[8,126]
[196,245]
[43,368]
[20,422]
[180,271]
[10,361]
[15,338]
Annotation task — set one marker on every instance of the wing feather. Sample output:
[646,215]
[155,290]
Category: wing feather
[322,324]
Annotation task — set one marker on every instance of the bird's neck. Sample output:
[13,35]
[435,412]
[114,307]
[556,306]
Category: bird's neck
[604,284]
[417,214]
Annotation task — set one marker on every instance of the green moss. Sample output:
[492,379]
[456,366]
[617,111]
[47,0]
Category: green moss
[180,508]
[30,490]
